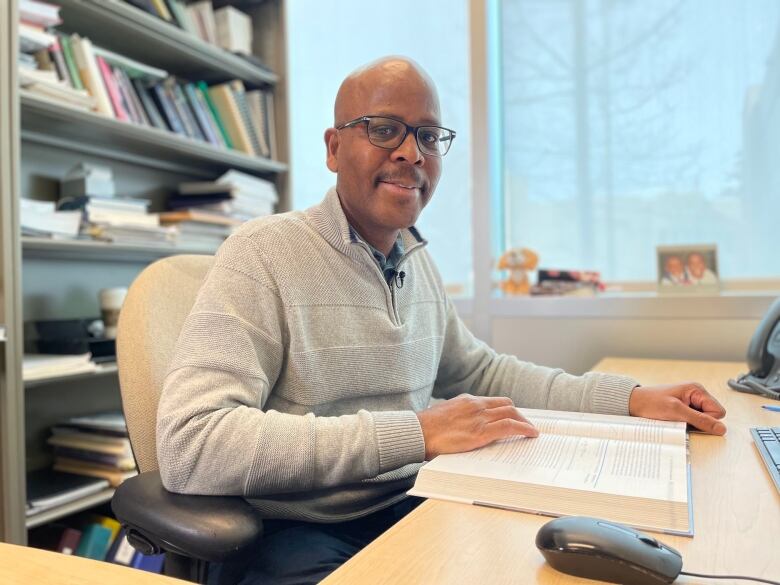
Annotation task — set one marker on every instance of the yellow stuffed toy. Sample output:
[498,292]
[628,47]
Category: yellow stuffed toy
[518,261]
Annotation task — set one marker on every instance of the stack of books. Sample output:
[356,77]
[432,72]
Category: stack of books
[90,190]
[42,219]
[95,446]
[226,27]
[41,62]
[206,212]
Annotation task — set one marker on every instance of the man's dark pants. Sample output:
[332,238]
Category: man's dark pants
[303,553]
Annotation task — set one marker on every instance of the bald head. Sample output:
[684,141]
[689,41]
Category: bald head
[377,82]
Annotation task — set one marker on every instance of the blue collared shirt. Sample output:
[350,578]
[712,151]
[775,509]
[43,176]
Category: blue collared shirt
[386,264]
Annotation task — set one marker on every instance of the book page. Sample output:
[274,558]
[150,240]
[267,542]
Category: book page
[606,426]
[651,468]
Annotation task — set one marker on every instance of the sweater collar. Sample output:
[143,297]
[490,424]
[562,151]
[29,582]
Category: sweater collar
[328,218]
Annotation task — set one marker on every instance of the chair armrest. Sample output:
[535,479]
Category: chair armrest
[210,528]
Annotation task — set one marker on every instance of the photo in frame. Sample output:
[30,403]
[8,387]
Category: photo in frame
[689,269]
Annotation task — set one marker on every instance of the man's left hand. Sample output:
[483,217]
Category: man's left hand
[688,402]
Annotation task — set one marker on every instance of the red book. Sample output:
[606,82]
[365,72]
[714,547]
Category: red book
[113,90]
[69,541]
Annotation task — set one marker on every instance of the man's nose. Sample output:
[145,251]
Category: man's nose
[408,151]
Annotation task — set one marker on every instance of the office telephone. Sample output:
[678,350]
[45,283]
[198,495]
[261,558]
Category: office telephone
[763,358]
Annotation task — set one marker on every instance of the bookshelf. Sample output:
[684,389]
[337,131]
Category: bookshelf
[53,124]
[79,505]
[41,278]
[109,369]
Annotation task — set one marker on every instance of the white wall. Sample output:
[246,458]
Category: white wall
[576,333]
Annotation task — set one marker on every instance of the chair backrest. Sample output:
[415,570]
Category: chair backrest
[151,318]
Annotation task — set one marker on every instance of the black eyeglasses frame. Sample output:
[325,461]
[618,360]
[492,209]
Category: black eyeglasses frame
[408,128]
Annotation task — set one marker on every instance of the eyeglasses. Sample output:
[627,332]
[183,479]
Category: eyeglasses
[390,133]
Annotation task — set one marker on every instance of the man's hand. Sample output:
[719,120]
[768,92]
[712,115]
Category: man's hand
[688,402]
[466,422]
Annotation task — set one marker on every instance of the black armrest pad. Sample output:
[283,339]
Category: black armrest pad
[210,528]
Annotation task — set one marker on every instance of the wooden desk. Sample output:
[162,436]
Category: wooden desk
[20,565]
[736,510]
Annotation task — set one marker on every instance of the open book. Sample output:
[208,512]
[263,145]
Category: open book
[621,468]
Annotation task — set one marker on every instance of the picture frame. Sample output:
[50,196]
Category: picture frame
[688,269]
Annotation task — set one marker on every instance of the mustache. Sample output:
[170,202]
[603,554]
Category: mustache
[412,177]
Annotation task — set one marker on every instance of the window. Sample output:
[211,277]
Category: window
[328,40]
[632,124]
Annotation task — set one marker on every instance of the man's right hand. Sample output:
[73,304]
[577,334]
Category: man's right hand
[466,422]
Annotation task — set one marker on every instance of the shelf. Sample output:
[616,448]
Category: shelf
[70,508]
[125,29]
[102,370]
[49,122]
[44,248]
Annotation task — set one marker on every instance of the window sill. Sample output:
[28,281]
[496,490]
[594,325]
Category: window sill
[750,304]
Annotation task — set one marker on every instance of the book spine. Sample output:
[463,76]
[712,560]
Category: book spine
[59,62]
[209,117]
[88,69]
[113,90]
[239,96]
[167,109]
[204,90]
[152,112]
[70,61]
[200,114]
[170,91]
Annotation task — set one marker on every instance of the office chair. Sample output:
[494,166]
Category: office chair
[191,530]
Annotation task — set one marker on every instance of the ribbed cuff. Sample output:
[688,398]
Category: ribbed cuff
[400,439]
[611,394]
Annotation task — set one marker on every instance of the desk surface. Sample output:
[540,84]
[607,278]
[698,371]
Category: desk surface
[736,510]
[20,565]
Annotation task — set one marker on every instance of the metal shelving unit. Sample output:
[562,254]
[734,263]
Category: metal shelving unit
[54,124]
[124,29]
[43,278]
[97,250]
[70,508]
[102,370]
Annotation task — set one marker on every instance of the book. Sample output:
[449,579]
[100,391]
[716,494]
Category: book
[121,551]
[48,489]
[69,541]
[169,217]
[225,103]
[94,542]
[90,75]
[203,89]
[233,30]
[70,62]
[626,469]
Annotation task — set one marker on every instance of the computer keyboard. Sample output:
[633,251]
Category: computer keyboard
[768,444]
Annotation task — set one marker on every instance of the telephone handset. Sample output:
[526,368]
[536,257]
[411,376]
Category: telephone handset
[763,358]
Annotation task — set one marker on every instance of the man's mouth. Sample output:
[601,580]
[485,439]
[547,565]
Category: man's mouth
[408,186]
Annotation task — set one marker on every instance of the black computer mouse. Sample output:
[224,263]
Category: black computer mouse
[599,549]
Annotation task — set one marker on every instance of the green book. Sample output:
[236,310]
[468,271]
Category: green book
[94,543]
[70,61]
[204,91]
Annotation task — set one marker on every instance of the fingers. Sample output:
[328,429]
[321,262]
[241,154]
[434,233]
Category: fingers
[509,427]
[700,420]
[704,401]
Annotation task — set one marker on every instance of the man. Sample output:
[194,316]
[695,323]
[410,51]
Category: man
[304,375]
[698,273]
[674,272]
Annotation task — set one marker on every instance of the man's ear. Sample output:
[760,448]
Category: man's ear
[332,146]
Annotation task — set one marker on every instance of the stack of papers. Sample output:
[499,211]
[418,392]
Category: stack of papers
[42,366]
[48,489]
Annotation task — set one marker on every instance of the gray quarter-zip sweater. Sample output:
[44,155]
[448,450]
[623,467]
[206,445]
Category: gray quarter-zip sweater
[298,373]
